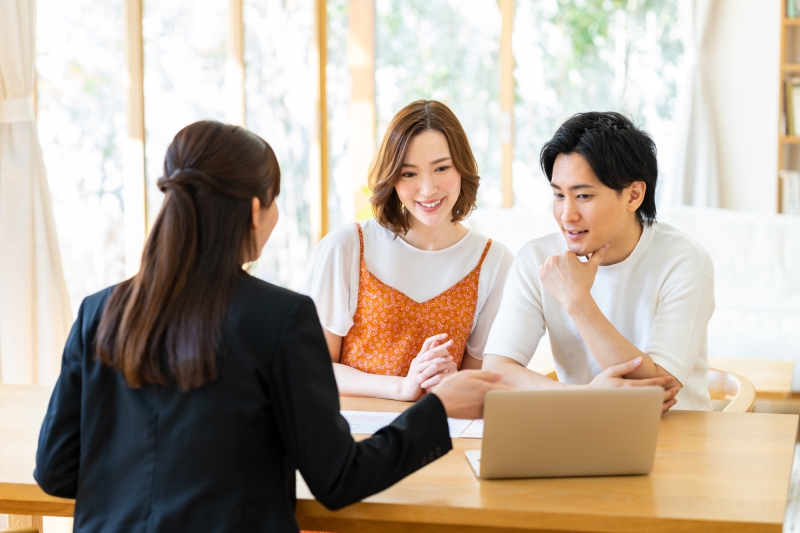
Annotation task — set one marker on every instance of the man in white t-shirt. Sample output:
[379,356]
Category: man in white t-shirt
[626,300]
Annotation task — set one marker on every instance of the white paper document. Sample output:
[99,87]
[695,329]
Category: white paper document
[457,426]
[474,430]
[369,422]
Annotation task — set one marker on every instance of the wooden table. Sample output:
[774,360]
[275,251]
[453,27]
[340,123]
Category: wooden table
[713,472]
[22,409]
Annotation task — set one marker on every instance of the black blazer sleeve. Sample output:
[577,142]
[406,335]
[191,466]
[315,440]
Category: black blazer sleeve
[305,404]
[58,456]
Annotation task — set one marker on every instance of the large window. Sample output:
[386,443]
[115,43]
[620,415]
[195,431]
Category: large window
[569,56]
[341,207]
[280,94]
[594,55]
[184,76]
[81,114]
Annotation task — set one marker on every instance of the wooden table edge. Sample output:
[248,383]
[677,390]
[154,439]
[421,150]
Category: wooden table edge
[311,514]
[25,499]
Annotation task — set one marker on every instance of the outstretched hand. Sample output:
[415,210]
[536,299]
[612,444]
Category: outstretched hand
[463,393]
[568,278]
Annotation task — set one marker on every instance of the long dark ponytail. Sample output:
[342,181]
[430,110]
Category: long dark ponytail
[164,324]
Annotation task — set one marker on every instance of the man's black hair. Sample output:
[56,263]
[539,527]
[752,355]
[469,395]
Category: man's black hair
[618,152]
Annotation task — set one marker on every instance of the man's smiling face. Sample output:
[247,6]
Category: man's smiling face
[589,213]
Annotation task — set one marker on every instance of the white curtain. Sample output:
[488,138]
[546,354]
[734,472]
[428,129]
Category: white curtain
[695,180]
[35,314]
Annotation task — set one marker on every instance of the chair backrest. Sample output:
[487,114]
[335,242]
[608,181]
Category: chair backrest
[722,386]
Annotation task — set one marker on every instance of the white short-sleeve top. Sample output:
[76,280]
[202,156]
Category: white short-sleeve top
[332,279]
[660,299]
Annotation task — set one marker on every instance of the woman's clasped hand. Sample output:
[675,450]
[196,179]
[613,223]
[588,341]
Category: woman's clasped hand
[428,368]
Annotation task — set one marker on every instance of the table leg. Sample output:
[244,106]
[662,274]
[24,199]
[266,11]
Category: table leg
[21,521]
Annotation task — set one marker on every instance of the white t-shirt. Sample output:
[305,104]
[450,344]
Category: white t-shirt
[660,298]
[332,279]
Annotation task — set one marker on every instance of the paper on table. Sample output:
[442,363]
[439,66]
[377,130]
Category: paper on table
[474,430]
[368,422]
[457,426]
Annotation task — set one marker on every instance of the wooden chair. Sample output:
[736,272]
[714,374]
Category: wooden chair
[23,530]
[771,379]
[722,386]
[737,389]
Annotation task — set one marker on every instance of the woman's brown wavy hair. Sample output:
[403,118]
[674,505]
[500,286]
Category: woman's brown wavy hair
[164,325]
[385,170]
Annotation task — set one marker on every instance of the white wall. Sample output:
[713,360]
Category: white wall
[742,59]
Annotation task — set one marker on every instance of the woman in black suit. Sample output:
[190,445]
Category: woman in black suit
[190,393]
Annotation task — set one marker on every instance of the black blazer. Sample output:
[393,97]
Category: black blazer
[221,457]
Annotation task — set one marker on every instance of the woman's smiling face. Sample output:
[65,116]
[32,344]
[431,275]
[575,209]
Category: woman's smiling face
[429,184]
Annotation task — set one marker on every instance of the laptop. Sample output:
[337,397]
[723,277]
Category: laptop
[563,433]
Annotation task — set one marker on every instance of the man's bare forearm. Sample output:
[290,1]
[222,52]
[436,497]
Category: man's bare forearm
[606,344]
[517,376]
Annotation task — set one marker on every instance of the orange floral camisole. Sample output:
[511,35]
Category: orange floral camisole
[389,327]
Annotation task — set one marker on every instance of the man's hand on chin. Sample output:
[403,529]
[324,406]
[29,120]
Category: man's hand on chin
[568,278]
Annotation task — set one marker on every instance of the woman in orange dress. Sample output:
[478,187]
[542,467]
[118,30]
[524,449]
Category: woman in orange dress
[409,296]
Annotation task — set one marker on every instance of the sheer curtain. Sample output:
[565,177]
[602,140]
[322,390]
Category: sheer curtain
[696,176]
[35,314]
